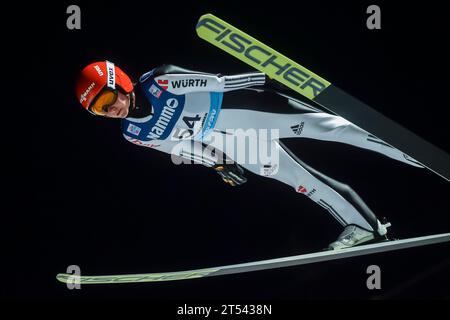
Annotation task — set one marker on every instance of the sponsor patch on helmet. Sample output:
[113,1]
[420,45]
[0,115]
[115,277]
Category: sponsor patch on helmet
[99,71]
[84,94]
[111,75]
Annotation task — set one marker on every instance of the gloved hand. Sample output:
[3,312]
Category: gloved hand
[232,174]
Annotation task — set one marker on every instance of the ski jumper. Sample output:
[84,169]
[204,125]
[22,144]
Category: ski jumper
[190,108]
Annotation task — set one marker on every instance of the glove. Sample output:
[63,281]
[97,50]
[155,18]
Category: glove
[232,174]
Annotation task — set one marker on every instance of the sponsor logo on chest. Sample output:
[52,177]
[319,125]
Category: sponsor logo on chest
[163,119]
[189,83]
[163,83]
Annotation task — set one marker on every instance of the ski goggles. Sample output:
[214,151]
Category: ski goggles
[104,100]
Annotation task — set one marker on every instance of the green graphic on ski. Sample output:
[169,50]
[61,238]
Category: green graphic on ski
[258,265]
[135,278]
[300,79]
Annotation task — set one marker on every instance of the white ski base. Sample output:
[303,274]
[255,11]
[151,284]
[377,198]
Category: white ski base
[259,265]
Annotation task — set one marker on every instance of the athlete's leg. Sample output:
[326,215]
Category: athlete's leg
[337,198]
[313,125]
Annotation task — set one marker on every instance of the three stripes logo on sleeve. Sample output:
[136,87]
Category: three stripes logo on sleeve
[245,80]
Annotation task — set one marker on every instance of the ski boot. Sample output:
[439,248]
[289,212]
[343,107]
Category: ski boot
[354,236]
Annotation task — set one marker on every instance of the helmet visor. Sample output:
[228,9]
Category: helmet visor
[104,100]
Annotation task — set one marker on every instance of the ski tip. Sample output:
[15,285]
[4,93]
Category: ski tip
[207,15]
[201,21]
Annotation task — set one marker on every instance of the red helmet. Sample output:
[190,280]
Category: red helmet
[97,76]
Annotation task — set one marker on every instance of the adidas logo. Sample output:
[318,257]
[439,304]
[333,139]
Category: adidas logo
[297,129]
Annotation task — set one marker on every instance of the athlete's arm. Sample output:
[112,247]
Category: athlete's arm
[196,152]
[180,81]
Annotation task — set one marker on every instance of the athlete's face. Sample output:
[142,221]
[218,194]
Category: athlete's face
[120,108]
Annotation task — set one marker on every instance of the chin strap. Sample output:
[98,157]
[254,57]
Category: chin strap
[132,100]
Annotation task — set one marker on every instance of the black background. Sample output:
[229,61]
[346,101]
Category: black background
[80,194]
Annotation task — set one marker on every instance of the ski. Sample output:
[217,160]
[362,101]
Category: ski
[300,79]
[258,265]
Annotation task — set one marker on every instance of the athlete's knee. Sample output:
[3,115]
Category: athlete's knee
[344,189]
[339,124]
[349,191]
[332,125]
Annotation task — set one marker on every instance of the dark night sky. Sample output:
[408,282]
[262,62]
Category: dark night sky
[82,195]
